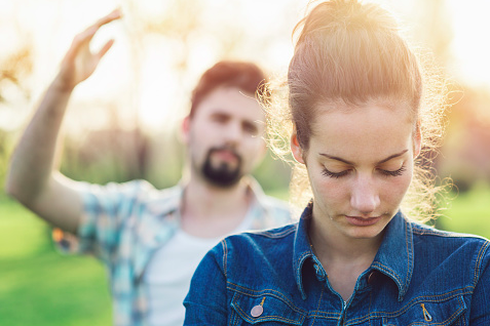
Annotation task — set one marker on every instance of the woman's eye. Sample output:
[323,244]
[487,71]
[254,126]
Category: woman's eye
[335,175]
[394,173]
[390,173]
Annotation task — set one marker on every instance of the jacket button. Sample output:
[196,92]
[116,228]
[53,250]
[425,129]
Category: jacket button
[257,311]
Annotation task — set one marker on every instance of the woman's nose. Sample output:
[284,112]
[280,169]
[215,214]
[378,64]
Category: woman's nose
[364,196]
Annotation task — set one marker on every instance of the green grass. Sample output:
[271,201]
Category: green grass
[39,286]
[469,212]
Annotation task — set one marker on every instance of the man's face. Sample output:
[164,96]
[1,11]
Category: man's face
[224,136]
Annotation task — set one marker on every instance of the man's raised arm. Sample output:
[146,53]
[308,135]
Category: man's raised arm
[33,177]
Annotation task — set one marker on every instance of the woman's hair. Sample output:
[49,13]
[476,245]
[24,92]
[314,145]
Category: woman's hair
[351,53]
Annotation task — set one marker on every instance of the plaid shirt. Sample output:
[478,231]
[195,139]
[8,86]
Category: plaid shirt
[123,225]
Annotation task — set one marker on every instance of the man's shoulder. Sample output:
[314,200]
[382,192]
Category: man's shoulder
[137,187]
[273,212]
[275,204]
[267,201]
[133,195]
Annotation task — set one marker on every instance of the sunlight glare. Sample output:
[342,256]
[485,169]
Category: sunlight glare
[470,46]
[141,71]
[159,86]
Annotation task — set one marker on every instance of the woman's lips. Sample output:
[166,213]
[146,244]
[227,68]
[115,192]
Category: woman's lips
[362,221]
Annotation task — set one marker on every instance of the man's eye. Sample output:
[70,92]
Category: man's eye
[250,128]
[219,119]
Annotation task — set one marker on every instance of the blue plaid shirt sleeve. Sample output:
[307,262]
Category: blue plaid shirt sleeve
[106,210]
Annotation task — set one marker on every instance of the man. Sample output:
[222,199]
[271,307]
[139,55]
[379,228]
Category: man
[152,240]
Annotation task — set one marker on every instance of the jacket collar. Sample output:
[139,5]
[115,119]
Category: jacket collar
[302,249]
[394,258]
[395,255]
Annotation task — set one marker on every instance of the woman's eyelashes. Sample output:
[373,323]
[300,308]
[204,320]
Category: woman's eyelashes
[389,173]
[393,173]
[335,175]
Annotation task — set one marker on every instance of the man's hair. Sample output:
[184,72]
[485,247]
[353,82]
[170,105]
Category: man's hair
[246,76]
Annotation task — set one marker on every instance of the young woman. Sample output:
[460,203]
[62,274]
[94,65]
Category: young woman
[360,119]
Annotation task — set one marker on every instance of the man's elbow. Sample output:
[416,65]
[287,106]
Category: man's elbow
[10,187]
[15,190]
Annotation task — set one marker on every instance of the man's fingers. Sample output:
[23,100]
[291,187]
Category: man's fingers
[86,36]
[105,48]
[81,39]
[115,14]
[89,33]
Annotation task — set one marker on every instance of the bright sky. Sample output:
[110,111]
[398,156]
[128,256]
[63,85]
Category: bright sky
[139,72]
[470,46]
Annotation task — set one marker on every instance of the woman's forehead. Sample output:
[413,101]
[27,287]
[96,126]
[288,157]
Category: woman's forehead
[367,114]
[371,130]
[347,106]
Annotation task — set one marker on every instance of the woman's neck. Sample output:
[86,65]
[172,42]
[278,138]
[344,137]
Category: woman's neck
[343,258]
[331,246]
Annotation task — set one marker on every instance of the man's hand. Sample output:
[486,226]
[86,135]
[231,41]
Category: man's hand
[79,62]
[33,178]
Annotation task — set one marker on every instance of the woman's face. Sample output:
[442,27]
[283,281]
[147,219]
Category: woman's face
[360,164]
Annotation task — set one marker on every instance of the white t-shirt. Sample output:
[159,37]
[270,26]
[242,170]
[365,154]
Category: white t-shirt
[169,274]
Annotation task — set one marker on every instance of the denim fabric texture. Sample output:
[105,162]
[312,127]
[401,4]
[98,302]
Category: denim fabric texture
[124,224]
[420,276]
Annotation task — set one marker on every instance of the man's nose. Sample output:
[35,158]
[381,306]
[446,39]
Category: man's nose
[364,196]
[233,132]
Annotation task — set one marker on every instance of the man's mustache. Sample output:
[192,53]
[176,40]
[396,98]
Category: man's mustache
[225,148]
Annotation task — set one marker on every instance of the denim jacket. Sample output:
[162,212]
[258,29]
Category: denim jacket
[420,276]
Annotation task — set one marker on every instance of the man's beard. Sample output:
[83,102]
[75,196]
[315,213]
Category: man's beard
[223,175]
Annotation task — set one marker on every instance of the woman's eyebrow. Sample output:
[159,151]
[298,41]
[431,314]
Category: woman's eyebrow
[350,163]
[393,156]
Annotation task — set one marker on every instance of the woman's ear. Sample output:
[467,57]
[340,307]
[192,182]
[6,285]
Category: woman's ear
[417,141]
[296,148]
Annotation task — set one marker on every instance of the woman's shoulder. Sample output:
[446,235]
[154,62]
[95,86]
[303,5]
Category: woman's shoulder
[446,243]
[431,233]
[257,245]
[265,237]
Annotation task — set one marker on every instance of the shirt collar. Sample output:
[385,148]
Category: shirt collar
[394,258]
[164,202]
[258,209]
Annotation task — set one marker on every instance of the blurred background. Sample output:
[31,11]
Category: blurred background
[123,122]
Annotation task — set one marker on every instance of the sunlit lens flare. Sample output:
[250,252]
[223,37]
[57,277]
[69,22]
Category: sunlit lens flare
[156,86]
[469,47]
